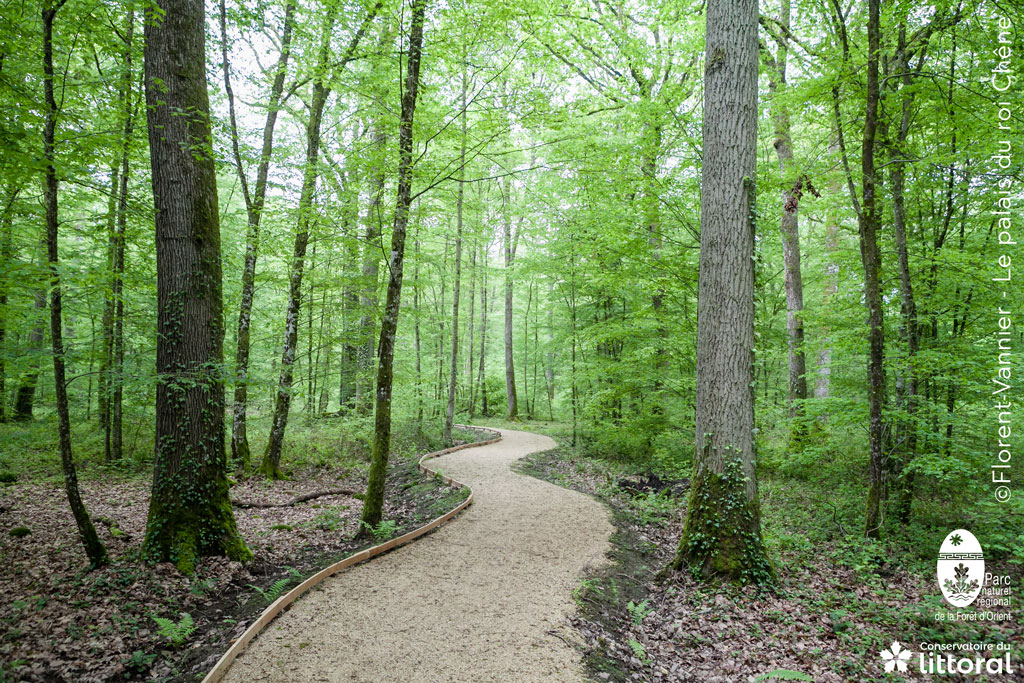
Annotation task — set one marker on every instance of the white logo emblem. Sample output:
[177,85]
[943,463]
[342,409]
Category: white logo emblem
[896,657]
[961,568]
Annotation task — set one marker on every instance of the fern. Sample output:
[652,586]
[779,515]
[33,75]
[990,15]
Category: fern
[274,591]
[176,633]
[639,611]
[639,651]
[783,675]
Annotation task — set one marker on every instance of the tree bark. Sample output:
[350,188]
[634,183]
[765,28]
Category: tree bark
[6,259]
[512,403]
[722,532]
[373,502]
[271,464]
[190,513]
[240,452]
[871,259]
[454,373]
[116,379]
[790,228]
[94,549]
[483,335]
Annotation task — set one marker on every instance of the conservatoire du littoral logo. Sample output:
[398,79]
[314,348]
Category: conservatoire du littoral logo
[896,657]
[961,568]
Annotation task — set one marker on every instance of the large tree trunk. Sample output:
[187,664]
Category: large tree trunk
[373,503]
[454,374]
[871,259]
[94,549]
[722,533]
[240,452]
[190,513]
[790,228]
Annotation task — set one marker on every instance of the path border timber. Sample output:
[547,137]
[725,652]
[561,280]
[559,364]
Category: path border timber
[238,645]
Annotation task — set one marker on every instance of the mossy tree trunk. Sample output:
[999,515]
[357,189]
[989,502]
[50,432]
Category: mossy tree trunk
[190,513]
[373,502]
[722,533]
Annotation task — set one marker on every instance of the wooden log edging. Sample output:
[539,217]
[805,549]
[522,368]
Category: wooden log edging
[219,670]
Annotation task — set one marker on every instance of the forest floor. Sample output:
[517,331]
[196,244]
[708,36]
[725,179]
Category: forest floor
[840,599]
[60,622]
[485,598]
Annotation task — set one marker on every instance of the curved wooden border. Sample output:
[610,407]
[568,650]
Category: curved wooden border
[238,646]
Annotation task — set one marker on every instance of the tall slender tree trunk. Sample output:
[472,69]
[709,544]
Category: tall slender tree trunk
[416,332]
[94,549]
[190,514]
[722,533]
[871,258]
[511,401]
[116,380]
[483,335]
[6,259]
[372,247]
[454,373]
[823,383]
[373,502]
[789,226]
[25,394]
[271,464]
[240,452]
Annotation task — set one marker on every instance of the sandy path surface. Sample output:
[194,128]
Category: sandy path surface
[481,599]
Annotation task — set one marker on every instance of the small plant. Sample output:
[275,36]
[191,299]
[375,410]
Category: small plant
[639,651]
[330,519]
[578,591]
[639,612]
[274,591]
[20,532]
[277,588]
[176,633]
[201,587]
[783,675]
[383,531]
[139,661]
[8,477]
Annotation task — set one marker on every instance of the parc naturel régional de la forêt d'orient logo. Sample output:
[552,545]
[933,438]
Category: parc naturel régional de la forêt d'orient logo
[961,568]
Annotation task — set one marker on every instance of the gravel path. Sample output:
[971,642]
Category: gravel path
[484,598]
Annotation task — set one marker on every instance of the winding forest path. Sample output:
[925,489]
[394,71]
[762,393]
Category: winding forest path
[484,598]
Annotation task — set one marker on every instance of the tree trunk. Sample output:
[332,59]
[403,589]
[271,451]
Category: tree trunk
[6,259]
[94,549]
[271,465]
[722,533]
[240,452]
[830,288]
[454,373]
[373,503]
[24,396]
[116,379]
[512,404]
[790,228]
[483,335]
[372,247]
[871,259]
[190,513]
